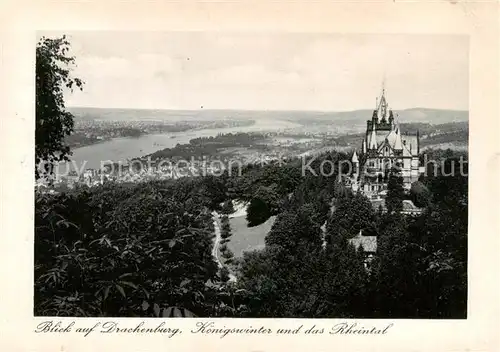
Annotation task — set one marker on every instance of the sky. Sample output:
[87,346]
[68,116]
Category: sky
[268,71]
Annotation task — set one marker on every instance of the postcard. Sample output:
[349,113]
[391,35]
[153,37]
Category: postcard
[250,176]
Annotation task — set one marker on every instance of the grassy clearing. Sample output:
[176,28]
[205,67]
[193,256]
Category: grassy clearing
[247,238]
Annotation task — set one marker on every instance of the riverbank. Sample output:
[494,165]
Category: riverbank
[123,148]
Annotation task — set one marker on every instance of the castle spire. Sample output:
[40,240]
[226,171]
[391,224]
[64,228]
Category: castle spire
[382,105]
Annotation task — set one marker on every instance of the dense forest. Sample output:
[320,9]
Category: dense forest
[119,250]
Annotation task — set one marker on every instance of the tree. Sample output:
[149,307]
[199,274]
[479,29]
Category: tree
[224,274]
[225,227]
[227,207]
[420,194]
[53,122]
[395,192]
[257,212]
[227,254]
[421,265]
[352,214]
[294,229]
[300,279]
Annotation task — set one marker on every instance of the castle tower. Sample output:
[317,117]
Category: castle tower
[373,139]
[383,147]
[382,108]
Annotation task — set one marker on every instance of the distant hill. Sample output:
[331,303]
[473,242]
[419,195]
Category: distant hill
[434,116]
[424,115]
[449,133]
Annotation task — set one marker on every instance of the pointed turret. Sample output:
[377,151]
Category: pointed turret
[391,118]
[373,139]
[354,158]
[364,146]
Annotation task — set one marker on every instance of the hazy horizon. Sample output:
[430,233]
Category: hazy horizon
[258,110]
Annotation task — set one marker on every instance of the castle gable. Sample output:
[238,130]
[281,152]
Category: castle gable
[381,136]
[386,149]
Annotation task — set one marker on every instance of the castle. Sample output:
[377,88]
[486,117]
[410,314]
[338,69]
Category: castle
[384,146]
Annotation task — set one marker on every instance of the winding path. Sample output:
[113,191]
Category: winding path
[216,248]
[218,238]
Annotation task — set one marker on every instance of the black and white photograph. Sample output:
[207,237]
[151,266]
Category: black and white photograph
[233,174]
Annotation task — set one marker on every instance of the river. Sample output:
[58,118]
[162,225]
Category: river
[121,149]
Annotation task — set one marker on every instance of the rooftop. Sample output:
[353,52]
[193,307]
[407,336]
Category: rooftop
[367,243]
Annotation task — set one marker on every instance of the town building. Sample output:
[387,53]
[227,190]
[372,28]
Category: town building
[366,244]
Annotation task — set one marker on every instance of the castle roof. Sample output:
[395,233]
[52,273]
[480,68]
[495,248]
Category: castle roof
[391,138]
[408,144]
[398,144]
[406,151]
[411,143]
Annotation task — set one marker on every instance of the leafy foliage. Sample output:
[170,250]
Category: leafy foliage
[125,245]
[227,207]
[395,191]
[53,122]
[225,227]
[292,229]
